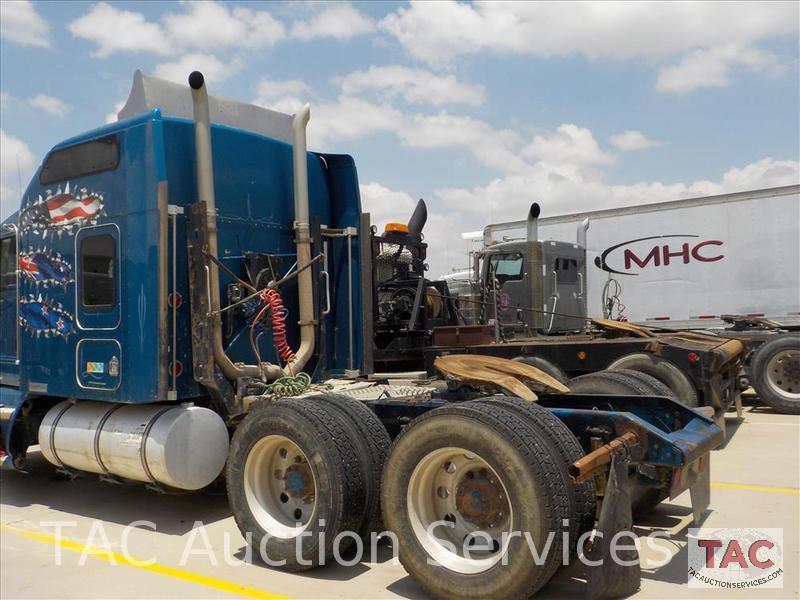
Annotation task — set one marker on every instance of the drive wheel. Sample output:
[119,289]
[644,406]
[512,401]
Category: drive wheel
[458,481]
[373,442]
[776,373]
[583,496]
[293,475]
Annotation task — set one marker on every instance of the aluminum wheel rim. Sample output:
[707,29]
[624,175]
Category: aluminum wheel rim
[458,490]
[783,374]
[279,486]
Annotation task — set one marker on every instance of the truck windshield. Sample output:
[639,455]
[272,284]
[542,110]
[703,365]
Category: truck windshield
[506,267]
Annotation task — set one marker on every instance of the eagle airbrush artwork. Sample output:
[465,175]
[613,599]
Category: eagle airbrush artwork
[62,211]
[45,268]
[41,316]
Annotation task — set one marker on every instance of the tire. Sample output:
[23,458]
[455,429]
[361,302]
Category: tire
[607,382]
[663,370]
[582,496]
[548,367]
[775,373]
[488,442]
[657,388]
[318,446]
[374,442]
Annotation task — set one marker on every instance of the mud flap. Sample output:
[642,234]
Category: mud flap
[700,492]
[606,578]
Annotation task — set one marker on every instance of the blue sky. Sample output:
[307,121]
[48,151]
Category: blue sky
[479,108]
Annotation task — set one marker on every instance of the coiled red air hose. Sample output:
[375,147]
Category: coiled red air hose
[274,303]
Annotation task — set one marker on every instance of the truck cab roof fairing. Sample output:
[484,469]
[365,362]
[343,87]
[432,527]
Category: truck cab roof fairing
[173,99]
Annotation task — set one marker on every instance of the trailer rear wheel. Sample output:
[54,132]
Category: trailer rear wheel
[294,469]
[657,388]
[608,382]
[458,481]
[583,496]
[374,443]
[775,370]
[664,371]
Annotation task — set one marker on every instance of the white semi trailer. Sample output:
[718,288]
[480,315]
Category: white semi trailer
[728,264]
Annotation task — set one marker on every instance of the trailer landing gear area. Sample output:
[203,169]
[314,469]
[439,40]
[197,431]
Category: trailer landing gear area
[70,539]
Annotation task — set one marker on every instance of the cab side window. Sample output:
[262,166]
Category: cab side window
[98,260]
[8,263]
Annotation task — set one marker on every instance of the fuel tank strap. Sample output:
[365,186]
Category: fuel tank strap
[143,447]
[60,414]
[97,432]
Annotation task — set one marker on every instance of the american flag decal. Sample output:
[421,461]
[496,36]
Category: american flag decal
[62,211]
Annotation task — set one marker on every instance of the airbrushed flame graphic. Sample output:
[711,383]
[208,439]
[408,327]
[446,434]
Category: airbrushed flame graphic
[61,211]
[43,317]
[44,268]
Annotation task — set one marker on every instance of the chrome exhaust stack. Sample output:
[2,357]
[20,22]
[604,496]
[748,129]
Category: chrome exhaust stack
[205,193]
[583,227]
[533,223]
[305,282]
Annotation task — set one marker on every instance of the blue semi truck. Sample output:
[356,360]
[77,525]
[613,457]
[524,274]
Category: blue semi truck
[177,286]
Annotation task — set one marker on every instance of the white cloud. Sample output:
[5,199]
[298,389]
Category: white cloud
[212,24]
[202,26]
[213,69]
[113,29]
[712,67]
[492,147]
[414,85]
[437,32]
[16,163]
[569,144]
[384,204]
[764,173]
[339,21]
[282,95]
[632,139]
[50,105]
[652,32]
[112,117]
[350,118]
[21,24]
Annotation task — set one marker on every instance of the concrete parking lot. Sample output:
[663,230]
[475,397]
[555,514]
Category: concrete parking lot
[755,483]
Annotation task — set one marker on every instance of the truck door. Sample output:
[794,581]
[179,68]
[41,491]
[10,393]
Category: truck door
[507,272]
[97,306]
[564,287]
[9,326]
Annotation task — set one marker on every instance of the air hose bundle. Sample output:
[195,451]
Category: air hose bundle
[288,385]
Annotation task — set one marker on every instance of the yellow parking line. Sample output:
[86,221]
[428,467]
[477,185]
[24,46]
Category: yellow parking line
[755,488]
[228,587]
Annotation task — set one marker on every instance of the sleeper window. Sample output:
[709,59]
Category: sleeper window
[98,271]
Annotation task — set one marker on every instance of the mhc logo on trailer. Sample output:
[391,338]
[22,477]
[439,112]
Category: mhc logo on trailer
[657,251]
